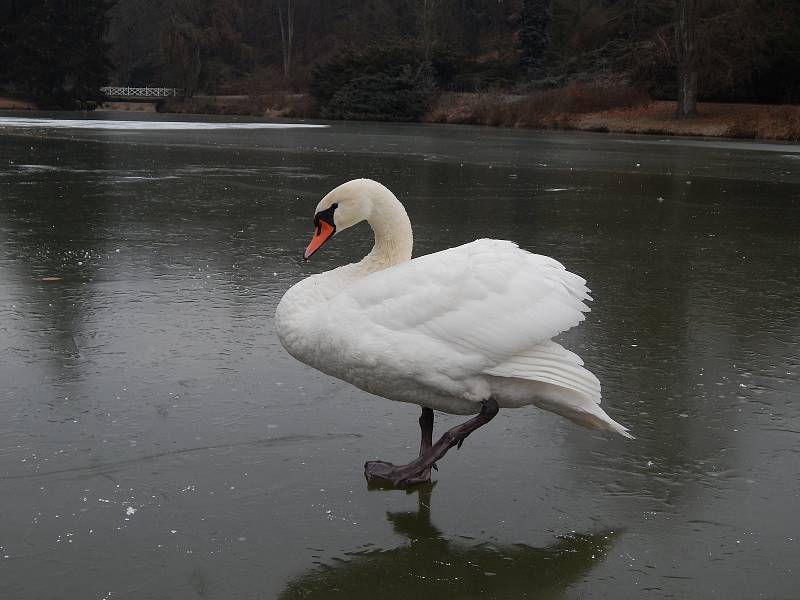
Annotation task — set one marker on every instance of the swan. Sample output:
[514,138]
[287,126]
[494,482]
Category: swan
[465,331]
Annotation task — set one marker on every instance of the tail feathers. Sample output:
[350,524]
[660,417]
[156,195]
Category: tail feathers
[553,378]
[582,412]
[551,363]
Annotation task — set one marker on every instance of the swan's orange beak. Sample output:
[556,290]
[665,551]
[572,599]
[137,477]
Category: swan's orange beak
[323,231]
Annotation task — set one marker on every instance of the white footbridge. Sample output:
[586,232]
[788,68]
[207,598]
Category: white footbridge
[140,93]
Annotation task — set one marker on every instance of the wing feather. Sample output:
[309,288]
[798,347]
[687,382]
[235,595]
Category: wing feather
[551,363]
[488,299]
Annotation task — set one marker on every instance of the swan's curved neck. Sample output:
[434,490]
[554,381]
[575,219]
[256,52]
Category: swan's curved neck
[394,239]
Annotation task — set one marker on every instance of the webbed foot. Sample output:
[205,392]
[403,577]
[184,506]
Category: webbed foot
[419,470]
[379,471]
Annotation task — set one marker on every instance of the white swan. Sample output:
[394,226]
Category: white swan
[466,330]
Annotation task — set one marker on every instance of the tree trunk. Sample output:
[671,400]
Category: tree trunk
[533,37]
[686,50]
[287,39]
[428,9]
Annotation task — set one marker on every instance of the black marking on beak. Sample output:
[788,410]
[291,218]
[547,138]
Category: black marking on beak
[324,228]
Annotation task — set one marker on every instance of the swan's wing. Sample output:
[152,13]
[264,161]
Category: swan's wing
[551,363]
[482,314]
[487,301]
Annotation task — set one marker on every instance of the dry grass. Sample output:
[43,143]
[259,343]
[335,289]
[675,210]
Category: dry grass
[148,107]
[298,106]
[747,121]
[589,107]
[616,108]
[767,122]
[213,105]
[548,109]
[13,103]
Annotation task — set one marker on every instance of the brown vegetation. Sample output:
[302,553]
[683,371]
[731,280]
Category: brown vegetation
[554,108]
[11,103]
[298,106]
[148,107]
[617,109]
[750,121]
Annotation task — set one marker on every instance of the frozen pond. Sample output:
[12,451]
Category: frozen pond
[157,442]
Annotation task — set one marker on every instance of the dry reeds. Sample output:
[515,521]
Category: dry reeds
[277,104]
[774,123]
[546,109]
[298,106]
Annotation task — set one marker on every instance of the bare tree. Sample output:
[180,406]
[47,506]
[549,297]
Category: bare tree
[533,37]
[286,21]
[428,18]
[426,13]
[686,51]
[181,51]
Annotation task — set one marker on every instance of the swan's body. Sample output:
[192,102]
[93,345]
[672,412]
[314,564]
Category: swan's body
[446,331]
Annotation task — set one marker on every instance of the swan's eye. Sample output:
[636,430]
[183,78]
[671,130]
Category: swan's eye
[325,215]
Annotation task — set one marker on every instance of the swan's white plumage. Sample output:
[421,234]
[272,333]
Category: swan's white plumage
[550,363]
[449,329]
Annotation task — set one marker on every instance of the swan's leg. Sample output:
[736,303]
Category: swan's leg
[414,471]
[426,429]
[425,443]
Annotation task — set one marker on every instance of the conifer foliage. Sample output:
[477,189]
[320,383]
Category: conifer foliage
[55,50]
[711,50]
[388,82]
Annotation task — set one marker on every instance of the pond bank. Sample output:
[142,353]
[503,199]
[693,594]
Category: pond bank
[744,121]
[748,121]
[11,103]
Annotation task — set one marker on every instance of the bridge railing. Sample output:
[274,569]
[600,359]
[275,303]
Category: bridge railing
[141,92]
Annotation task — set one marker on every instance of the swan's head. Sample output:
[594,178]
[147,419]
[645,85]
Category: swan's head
[342,207]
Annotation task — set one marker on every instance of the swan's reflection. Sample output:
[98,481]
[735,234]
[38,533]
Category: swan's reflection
[432,566]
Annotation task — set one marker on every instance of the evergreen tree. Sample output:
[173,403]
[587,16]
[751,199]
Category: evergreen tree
[55,49]
[392,81]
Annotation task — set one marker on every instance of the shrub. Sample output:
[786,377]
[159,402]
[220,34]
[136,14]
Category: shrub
[391,81]
[280,104]
[399,95]
[470,76]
